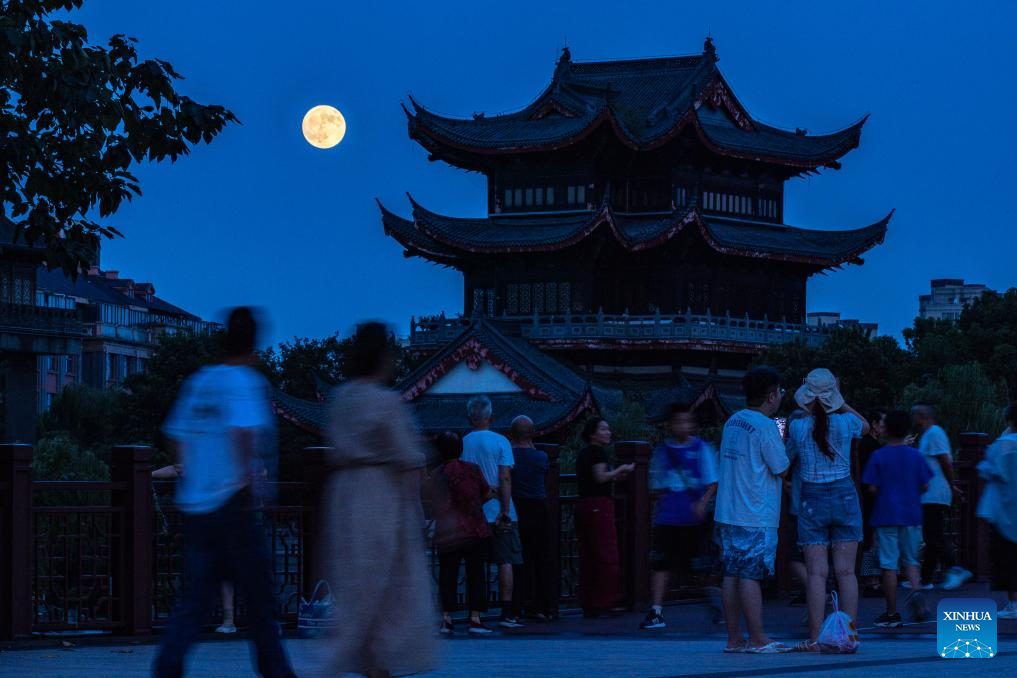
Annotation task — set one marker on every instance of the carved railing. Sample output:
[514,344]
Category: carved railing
[568,328]
[109,555]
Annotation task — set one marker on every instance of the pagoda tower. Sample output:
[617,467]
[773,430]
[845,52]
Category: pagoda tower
[634,234]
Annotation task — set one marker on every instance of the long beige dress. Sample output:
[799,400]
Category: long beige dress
[375,541]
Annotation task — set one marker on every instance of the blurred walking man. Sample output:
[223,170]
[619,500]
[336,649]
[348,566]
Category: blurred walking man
[216,430]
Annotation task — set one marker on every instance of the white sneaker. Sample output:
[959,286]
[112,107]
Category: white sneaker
[1008,611]
[226,629]
[907,585]
[955,578]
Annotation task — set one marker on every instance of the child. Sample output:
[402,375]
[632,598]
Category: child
[898,475]
[683,474]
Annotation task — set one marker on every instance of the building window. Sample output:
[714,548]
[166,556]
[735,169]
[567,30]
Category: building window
[768,208]
[680,196]
[508,197]
[529,197]
[517,198]
[550,195]
[564,296]
[538,196]
[571,195]
[538,297]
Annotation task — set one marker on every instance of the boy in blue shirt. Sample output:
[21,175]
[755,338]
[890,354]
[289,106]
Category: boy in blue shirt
[683,476]
[898,475]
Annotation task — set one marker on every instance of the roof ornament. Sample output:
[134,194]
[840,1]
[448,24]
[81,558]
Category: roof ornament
[801,131]
[479,116]
[709,50]
[564,61]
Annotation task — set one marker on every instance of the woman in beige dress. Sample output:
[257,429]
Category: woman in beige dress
[374,519]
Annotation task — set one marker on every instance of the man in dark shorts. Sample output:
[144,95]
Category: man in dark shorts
[683,475]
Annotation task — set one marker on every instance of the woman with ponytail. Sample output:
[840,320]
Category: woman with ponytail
[829,515]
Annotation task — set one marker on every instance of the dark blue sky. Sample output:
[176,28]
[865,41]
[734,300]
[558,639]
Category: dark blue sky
[261,217]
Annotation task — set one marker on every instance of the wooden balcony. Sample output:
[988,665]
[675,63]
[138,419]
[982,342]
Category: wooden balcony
[39,329]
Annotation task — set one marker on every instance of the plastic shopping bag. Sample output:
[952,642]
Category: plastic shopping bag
[318,613]
[838,635]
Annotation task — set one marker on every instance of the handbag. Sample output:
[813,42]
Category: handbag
[317,613]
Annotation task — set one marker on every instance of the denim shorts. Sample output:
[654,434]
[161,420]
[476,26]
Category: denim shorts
[747,552]
[898,545]
[828,513]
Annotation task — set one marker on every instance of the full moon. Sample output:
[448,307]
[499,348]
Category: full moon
[323,126]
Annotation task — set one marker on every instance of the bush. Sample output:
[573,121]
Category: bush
[58,457]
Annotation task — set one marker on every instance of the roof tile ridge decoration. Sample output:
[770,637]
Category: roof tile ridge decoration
[873,235]
[586,401]
[473,352]
[405,232]
[718,94]
[680,217]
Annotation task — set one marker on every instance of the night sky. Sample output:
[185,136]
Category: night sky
[261,217]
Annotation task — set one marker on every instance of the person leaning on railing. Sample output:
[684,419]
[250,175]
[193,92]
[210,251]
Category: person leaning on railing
[599,571]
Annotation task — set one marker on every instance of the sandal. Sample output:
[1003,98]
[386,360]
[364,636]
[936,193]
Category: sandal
[769,648]
[807,646]
[737,649]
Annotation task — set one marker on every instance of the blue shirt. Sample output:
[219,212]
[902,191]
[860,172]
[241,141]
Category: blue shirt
[898,472]
[528,473]
[682,472]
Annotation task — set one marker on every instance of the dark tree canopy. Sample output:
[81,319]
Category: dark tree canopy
[74,118]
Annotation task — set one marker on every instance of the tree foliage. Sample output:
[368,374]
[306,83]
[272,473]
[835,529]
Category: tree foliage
[74,118]
[872,372]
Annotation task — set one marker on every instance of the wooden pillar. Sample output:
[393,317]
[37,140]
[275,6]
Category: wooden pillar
[313,475]
[15,541]
[974,533]
[552,486]
[635,534]
[132,465]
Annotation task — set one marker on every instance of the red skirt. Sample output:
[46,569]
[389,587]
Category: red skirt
[599,570]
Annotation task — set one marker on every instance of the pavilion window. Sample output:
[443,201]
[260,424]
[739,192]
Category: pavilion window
[524,299]
[538,196]
[512,302]
[564,296]
[529,197]
[550,195]
[571,193]
[551,303]
[581,195]
[508,197]
[538,297]
[680,196]
[517,197]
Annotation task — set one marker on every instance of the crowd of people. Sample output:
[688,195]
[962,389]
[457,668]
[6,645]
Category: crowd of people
[713,509]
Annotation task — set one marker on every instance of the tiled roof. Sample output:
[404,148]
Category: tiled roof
[97,288]
[445,239]
[646,102]
[554,394]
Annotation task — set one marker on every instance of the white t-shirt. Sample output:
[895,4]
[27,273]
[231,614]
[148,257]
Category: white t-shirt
[751,457]
[212,403]
[934,442]
[815,466]
[489,450]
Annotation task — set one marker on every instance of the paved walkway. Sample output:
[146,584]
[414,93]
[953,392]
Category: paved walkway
[558,657]
[573,646]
